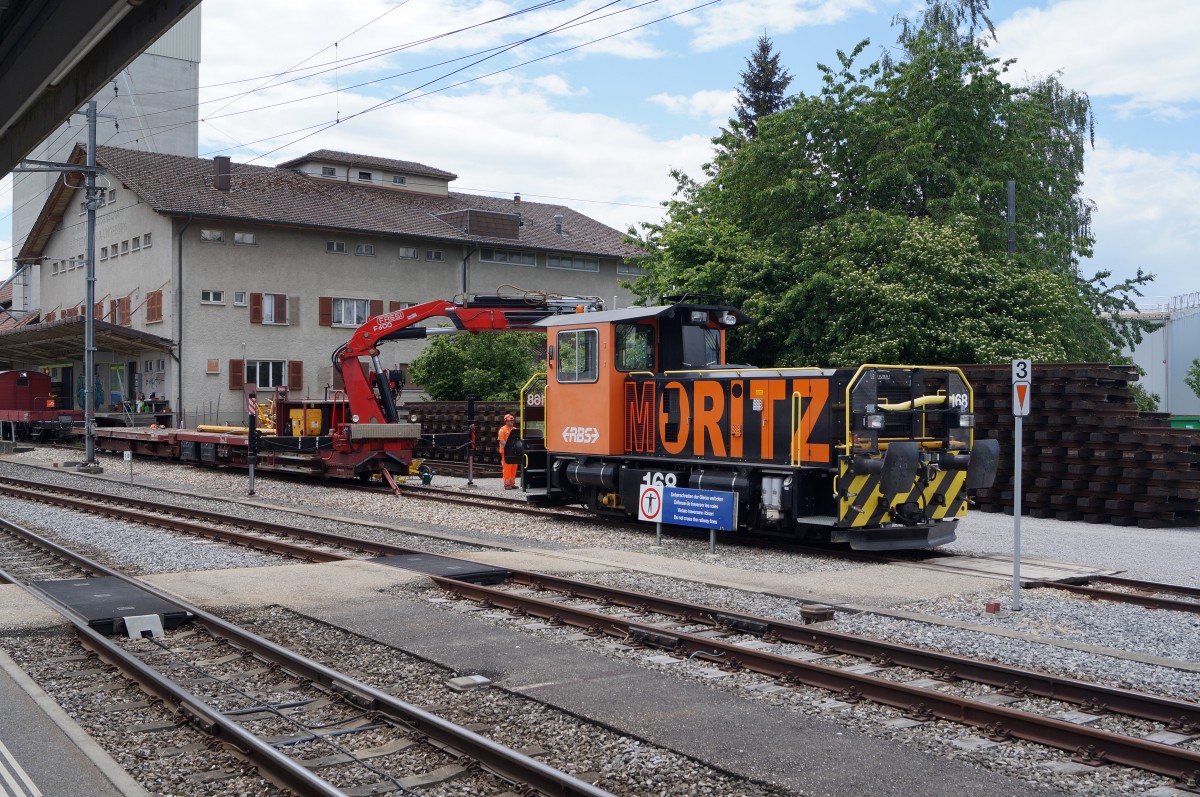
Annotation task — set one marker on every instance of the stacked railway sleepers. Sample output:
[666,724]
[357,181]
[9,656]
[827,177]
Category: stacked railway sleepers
[446,431]
[1088,454]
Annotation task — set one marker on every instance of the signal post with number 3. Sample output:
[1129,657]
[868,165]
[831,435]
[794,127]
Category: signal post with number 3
[1022,383]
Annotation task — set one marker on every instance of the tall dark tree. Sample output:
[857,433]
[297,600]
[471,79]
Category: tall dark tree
[763,89]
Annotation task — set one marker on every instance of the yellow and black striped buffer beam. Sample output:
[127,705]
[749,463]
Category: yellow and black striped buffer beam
[861,504]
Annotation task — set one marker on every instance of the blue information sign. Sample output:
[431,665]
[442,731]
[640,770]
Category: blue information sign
[706,509]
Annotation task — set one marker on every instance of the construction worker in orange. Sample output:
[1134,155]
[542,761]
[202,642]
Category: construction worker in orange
[510,468]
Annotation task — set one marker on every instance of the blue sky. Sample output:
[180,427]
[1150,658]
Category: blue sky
[600,127]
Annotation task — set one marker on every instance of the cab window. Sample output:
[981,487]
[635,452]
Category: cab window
[578,355]
[635,347]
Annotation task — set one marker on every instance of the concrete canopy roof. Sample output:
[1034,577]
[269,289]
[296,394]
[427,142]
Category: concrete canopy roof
[63,340]
[54,54]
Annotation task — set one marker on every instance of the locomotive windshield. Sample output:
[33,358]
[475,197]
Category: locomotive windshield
[635,347]
[577,355]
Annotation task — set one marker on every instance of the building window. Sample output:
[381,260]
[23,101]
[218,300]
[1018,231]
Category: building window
[239,298]
[245,239]
[349,312]
[112,195]
[212,236]
[274,308]
[408,253]
[364,250]
[137,244]
[103,255]
[631,268]
[146,241]
[335,247]
[364,177]
[572,262]
[398,179]
[508,256]
[212,297]
[328,171]
[265,373]
[434,255]
[577,350]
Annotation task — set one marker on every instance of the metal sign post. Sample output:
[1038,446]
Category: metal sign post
[251,430]
[471,442]
[650,509]
[1022,382]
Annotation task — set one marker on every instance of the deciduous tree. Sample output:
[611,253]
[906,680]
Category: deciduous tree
[913,152]
[491,366]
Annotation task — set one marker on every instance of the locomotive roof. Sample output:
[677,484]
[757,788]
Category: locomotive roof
[636,314]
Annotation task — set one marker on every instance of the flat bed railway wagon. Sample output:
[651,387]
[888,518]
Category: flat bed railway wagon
[29,409]
[880,456]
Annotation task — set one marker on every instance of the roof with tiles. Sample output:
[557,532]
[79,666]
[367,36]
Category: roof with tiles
[178,185]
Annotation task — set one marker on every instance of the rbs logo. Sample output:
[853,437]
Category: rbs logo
[581,434]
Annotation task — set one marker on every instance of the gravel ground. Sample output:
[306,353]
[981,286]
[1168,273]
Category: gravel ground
[494,528]
[1163,555]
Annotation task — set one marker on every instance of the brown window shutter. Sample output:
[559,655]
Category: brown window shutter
[154,306]
[295,375]
[112,311]
[281,307]
[256,308]
[124,317]
[49,316]
[325,311]
[98,311]
[393,306]
[376,307]
[237,374]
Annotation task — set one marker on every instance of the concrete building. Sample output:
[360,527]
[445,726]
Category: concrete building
[1167,353]
[257,273]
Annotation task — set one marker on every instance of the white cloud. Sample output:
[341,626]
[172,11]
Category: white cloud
[730,23]
[556,85]
[714,106]
[1145,53]
[1147,215]
[577,156]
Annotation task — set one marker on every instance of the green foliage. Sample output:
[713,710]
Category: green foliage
[764,82]
[491,366]
[1145,400]
[868,221]
[1192,379]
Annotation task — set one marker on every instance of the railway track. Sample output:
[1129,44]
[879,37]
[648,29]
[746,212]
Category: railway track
[920,683]
[924,685]
[1149,594]
[291,718]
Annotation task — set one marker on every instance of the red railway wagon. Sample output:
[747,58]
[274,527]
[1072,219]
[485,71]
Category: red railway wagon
[29,409]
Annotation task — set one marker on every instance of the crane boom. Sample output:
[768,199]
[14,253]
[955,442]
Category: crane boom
[375,403]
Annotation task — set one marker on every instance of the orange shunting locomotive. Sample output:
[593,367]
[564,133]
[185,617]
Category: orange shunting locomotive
[879,456]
